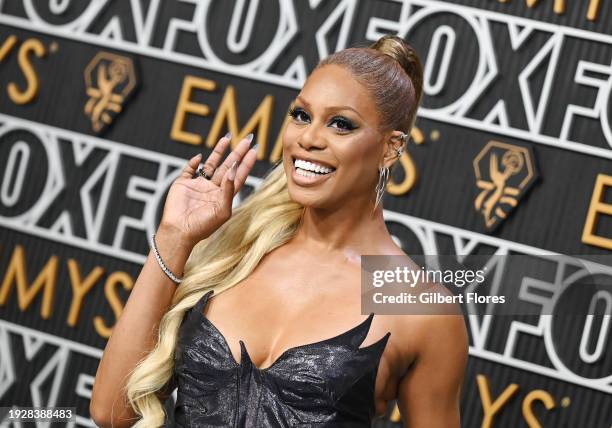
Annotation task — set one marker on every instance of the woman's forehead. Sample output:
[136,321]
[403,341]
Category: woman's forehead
[333,85]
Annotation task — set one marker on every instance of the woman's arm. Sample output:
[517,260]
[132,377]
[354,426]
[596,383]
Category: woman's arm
[195,207]
[430,391]
[135,333]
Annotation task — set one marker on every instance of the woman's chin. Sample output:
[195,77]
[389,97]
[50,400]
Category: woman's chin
[307,197]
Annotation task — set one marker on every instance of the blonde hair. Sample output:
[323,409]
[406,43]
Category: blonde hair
[267,219]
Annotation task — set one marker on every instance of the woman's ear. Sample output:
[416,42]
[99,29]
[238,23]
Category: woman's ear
[393,143]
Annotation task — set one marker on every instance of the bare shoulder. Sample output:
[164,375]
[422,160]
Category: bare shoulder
[445,329]
[429,391]
[423,333]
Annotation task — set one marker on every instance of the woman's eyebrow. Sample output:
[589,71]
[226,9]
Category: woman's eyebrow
[307,104]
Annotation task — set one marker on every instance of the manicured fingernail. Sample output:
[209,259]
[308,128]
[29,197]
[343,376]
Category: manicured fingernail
[249,137]
[255,147]
[232,172]
[228,135]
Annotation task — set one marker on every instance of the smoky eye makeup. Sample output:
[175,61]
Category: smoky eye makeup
[347,124]
[296,112]
[344,124]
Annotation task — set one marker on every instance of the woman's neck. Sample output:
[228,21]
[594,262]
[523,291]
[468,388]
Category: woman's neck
[342,230]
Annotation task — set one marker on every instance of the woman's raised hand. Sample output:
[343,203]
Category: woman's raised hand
[196,207]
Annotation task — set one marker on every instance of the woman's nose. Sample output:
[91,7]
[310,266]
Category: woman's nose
[312,138]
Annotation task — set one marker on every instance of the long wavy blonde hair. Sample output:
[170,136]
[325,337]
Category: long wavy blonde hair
[268,218]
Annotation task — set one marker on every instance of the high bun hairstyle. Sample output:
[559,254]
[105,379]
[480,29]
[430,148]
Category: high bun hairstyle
[392,72]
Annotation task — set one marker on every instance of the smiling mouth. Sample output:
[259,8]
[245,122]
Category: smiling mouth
[311,169]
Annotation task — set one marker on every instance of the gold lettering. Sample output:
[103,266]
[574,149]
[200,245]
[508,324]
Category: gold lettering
[593,11]
[185,106]
[110,291]
[46,279]
[228,113]
[595,208]
[492,408]
[7,46]
[80,288]
[559,7]
[536,395]
[22,97]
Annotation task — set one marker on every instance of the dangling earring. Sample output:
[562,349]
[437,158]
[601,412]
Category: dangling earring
[383,176]
[383,171]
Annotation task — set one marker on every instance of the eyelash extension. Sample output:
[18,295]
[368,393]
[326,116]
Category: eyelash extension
[294,111]
[348,123]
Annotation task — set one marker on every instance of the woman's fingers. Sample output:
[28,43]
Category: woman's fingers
[236,175]
[244,168]
[235,156]
[214,159]
[191,166]
[228,185]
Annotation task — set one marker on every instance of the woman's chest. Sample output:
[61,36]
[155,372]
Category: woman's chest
[286,316]
[330,379]
[274,310]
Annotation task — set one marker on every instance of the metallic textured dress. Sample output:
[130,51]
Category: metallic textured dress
[329,383]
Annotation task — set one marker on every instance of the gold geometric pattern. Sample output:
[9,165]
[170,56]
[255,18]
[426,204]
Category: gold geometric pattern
[109,80]
[503,173]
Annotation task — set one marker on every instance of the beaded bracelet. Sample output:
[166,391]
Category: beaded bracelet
[167,271]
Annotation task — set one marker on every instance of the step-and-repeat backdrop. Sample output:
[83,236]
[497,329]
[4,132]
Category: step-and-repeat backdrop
[102,101]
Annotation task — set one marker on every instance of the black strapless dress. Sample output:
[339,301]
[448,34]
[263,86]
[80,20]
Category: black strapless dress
[329,383]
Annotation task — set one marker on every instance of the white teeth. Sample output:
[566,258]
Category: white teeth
[300,171]
[310,166]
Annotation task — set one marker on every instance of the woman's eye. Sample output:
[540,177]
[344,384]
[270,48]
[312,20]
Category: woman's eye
[296,113]
[344,124]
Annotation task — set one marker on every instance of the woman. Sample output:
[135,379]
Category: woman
[265,327]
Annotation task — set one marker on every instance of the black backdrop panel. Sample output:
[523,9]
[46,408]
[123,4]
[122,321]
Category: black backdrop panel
[535,79]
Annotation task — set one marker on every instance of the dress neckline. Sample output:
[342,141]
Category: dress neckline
[360,331]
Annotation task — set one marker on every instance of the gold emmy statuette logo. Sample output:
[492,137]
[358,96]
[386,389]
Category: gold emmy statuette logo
[109,80]
[504,172]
